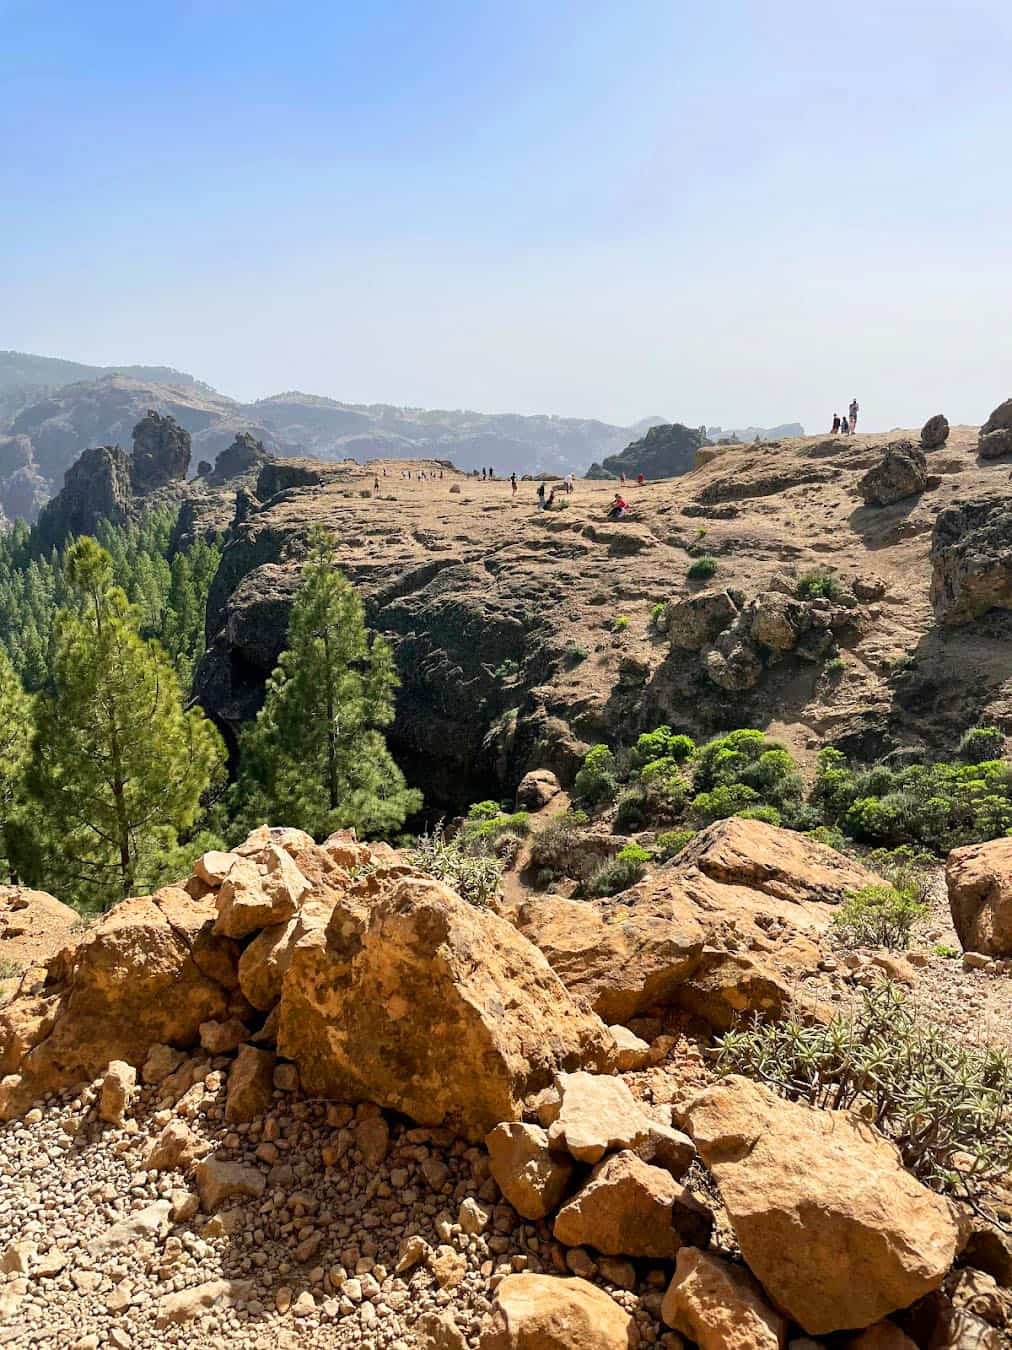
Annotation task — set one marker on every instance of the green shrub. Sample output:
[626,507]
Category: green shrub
[981,743]
[829,835]
[748,759]
[620,623]
[475,876]
[819,584]
[769,814]
[702,568]
[508,670]
[612,877]
[662,743]
[486,810]
[596,781]
[878,916]
[659,617]
[573,654]
[635,853]
[723,802]
[670,842]
[947,1107]
[631,810]
[943,949]
[835,667]
[558,846]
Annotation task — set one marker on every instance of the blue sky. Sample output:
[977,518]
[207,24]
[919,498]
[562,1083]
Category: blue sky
[720,212]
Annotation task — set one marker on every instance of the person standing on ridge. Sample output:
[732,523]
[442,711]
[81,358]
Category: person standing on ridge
[541,497]
[836,423]
[513,482]
[844,428]
[853,415]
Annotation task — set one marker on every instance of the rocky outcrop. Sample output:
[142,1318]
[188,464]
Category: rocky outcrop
[694,622]
[901,472]
[979,882]
[935,432]
[243,458]
[430,1007]
[733,925]
[971,560]
[995,438]
[543,1312]
[96,487]
[161,452]
[833,1227]
[664,452]
[279,475]
[149,972]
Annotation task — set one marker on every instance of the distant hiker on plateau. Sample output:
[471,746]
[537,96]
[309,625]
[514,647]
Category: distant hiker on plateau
[853,415]
[513,482]
[541,497]
[836,423]
[844,428]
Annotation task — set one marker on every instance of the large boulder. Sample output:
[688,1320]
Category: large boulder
[901,472]
[596,1114]
[778,620]
[628,1208]
[995,438]
[265,960]
[694,622]
[33,925]
[780,863]
[833,1227]
[623,958]
[979,881]
[971,559]
[429,1006]
[734,662]
[543,1312]
[148,972]
[719,1306]
[935,432]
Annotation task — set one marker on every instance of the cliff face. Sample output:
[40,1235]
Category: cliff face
[507,623]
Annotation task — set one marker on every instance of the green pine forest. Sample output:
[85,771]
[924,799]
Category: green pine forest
[111,778]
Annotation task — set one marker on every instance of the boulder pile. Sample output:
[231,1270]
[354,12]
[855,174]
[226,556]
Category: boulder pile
[901,472]
[995,437]
[313,1084]
[737,639]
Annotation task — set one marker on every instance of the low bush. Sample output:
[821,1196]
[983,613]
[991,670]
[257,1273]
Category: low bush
[596,781]
[819,584]
[619,874]
[474,875]
[662,743]
[702,568]
[670,842]
[947,1107]
[659,617]
[558,846]
[878,916]
[981,743]
[620,623]
[730,799]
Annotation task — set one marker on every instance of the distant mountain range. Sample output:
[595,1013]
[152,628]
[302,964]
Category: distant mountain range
[51,410]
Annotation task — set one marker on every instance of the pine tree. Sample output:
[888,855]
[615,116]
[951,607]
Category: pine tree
[117,766]
[315,757]
[15,736]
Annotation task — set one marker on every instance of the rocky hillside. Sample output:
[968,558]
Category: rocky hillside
[521,636]
[664,452]
[311,1096]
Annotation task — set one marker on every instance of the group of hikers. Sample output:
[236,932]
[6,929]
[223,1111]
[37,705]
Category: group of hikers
[846,425]
[545,503]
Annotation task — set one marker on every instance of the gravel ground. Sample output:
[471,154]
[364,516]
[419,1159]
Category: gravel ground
[319,1248]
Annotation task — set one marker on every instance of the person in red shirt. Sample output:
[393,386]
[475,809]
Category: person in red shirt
[619,507]
[639,479]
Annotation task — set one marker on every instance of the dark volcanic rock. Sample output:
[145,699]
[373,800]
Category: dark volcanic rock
[244,456]
[663,452]
[901,472]
[96,487]
[971,560]
[935,432]
[161,452]
[280,475]
[995,439]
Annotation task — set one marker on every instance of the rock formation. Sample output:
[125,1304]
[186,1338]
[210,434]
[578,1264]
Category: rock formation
[902,472]
[161,452]
[245,456]
[96,487]
[664,452]
[979,882]
[971,559]
[995,439]
[935,432]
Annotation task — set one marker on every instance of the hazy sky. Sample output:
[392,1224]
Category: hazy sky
[711,211]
